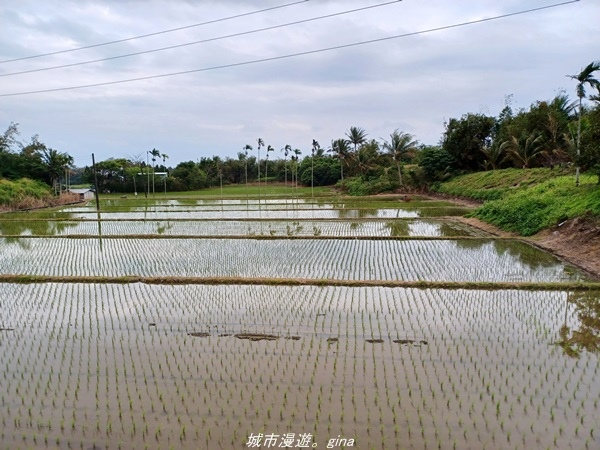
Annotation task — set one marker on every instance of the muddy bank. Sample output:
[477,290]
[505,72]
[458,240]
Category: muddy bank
[576,241]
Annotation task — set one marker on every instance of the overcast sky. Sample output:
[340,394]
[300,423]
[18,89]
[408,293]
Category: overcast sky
[412,83]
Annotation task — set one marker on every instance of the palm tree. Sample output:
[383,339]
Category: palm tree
[399,146]
[315,149]
[164,158]
[297,152]
[584,77]
[246,149]
[155,154]
[356,136]
[526,148]
[261,143]
[495,156]
[341,150]
[286,151]
[269,149]
[55,163]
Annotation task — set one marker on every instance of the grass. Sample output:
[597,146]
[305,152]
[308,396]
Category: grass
[495,184]
[22,193]
[544,205]
[527,201]
[240,191]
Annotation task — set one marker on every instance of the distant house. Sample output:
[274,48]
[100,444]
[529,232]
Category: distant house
[84,194]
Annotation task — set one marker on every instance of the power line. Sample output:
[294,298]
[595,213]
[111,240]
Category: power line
[155,33]
[203,41]
[292,55]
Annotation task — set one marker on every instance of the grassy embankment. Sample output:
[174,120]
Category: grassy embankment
[527,201]
[23,194]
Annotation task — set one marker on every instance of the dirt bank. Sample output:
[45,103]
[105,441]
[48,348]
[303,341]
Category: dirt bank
[576,241]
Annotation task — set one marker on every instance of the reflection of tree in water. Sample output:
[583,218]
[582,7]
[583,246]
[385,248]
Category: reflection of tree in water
[33,227]
[161,227]
[398,228]
[353,213]
[587,337]
[471,244]
[526,254]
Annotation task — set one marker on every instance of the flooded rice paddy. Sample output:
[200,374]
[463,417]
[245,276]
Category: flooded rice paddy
[95,365]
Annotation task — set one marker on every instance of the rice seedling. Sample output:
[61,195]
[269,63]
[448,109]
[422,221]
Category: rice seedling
[180,364]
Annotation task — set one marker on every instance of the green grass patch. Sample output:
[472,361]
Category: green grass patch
[529,210]
[22,193]
[241,191]
[495,184]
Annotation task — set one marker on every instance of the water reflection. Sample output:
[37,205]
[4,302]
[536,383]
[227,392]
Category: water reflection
[573,341]
[99,220]
[524,253]
[398,228]
[35,228]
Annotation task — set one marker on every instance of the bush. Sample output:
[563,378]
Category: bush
[357,186]
[326,171]
[437,164]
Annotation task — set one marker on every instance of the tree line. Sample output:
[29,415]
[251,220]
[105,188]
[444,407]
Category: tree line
[554,132]
[32,160]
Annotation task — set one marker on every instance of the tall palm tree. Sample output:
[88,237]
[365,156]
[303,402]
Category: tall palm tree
[297,153]
[164,158]
[155,154]
[341,150]
[584,77]
[286,151]
[246,149]
[356,136]
[261,143]
[399,146]
[269,149]
[315,148]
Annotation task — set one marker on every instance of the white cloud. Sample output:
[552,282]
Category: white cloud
[411,83]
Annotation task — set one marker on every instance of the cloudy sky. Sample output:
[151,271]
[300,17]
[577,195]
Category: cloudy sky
[240,88]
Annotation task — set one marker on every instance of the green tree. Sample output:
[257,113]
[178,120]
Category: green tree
[437,163]
[466,138]
[584,77]
[590,141]
[269,149]
[525,149]
[315,148]
[341,150]
[400,146]
[188,176]
[366,158]
[357,136]
[155,154]
[55,163]
[286,152]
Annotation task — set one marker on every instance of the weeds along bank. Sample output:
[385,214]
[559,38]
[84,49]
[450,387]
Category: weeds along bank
[526,201]
[26,194]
